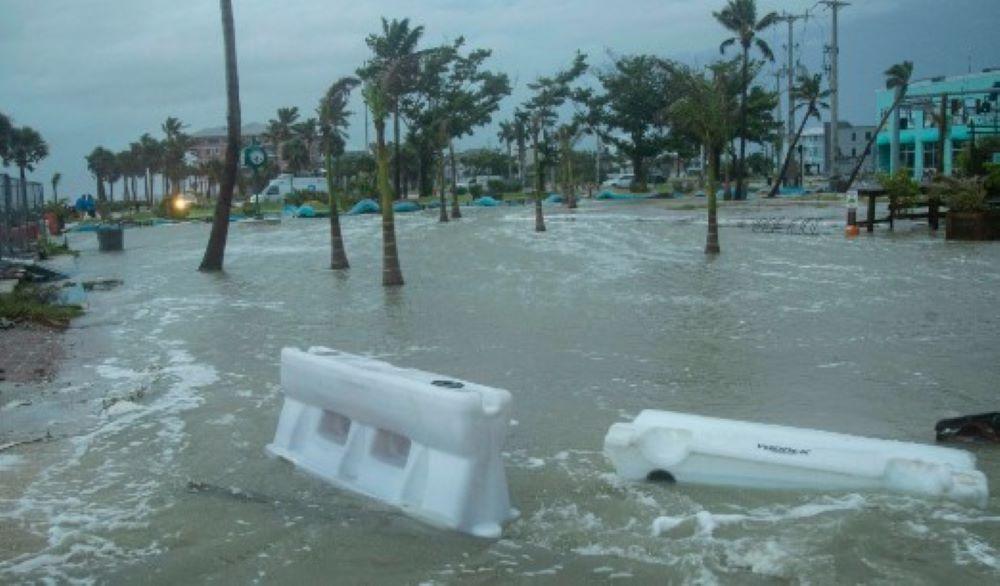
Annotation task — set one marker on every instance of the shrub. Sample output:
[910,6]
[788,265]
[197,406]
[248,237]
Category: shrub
[496,186]
[475,190]
[992,183]
[901,188]
[461,191]
[960,195]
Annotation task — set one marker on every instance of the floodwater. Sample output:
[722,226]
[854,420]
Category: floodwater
[615,309]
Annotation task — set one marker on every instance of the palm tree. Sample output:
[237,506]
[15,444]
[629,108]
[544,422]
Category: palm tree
[333,121]
[306,132]
[897,78]
[27,149]
[215,250]
[101,162]
[740,17]
[705,110]
[809,94]
[379,102]
[56,178]
[395,53]
[508,135]
[151,153]
[296,155]
[279,130]
[6,128]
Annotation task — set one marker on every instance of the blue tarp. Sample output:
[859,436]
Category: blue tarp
[365,206]
[85,203]
[612,195]
[306,211]
[553,198]
[792,191]
[406,206]
[486,202]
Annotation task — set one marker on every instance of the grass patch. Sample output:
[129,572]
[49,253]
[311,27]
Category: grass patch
[35,304]
[48,248]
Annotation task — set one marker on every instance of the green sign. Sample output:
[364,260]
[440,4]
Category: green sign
[254,157]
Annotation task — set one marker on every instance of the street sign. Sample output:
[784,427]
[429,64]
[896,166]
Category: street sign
[852,199]
[254,157]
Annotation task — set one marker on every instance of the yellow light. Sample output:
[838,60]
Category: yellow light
[180,204]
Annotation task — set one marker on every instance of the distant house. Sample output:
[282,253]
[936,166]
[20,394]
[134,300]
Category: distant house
[973,111]
[851,143]
[210,143]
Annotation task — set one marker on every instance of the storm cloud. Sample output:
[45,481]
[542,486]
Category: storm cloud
[102,72]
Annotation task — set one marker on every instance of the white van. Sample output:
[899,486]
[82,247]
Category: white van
[285,184]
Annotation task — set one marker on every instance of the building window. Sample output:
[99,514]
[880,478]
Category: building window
[868,135]
[908,156]
[854,136]
[930,155]
[854,151]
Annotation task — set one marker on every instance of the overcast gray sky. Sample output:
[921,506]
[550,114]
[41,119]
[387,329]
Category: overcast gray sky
[90,72]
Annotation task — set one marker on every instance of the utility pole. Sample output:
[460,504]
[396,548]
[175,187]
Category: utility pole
[777,150]
[834,144]
[790,72]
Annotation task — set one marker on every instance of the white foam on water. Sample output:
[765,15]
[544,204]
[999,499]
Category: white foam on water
[9,461]
[76,521]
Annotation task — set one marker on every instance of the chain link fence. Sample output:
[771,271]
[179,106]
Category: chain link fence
[20,214]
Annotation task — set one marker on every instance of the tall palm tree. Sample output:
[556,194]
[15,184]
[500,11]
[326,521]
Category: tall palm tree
[215,250]
[296,155]
[379,102]
[740,18]
[306,132]
[151,153]
[508,135]
[56,178]
[27,149]
[897,78]
[279,130]
[809,94]
[395,55]
[333,121]
[100,162]
[6,128]
[704,110]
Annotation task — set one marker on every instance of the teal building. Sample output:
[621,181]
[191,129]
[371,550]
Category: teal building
[971,102]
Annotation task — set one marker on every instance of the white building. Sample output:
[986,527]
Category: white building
[852,141]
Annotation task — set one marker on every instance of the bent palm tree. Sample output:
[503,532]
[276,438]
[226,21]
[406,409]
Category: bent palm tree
[394,54]
[216,249]
[740,17]
[810,95]
[897,78]
[378,102]
[333,120]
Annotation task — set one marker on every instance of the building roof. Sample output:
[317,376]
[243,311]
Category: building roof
[251,129]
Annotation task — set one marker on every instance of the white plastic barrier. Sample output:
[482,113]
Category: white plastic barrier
[425,443]
[706,450]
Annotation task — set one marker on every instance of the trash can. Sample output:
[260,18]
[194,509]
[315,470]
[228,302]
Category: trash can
[110,238]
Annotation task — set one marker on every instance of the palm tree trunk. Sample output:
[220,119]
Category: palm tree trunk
[397,183]
[443,208]
[712,236]
[539,188]
[216,249]
[942,133]
[455,211]
[791,152]
[338,257]
[871,142]
[391,274]
[741,163]
[510,162]
[894,162]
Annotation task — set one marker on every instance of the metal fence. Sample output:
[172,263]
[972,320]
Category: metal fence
[20,214]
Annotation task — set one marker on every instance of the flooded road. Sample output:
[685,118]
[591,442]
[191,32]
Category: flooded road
[161,414]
